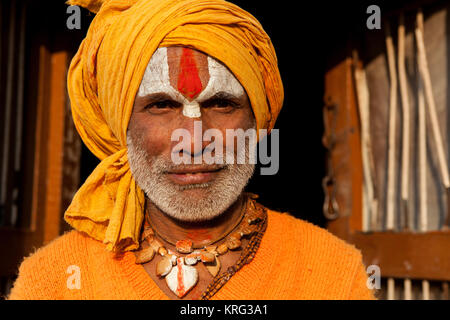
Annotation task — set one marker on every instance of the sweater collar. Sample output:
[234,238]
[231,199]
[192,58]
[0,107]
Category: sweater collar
[244,282]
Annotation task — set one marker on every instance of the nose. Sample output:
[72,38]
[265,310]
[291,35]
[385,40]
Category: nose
[192,144]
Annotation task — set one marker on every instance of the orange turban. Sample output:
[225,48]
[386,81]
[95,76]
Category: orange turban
[105,75]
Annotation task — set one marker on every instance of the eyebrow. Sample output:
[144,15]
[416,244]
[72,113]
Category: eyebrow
[154,97]
[222,95]
[163,96]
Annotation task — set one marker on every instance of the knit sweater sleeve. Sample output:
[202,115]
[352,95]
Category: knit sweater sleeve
[31,283]
[359,289]
[43,275]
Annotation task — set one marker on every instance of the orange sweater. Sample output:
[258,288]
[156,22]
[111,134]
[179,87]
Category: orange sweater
[296,260]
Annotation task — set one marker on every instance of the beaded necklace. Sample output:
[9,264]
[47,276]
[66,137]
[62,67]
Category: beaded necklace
[178,268]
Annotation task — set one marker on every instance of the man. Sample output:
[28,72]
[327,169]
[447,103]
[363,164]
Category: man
[164,215]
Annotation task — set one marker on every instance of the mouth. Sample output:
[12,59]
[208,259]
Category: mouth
[193,175]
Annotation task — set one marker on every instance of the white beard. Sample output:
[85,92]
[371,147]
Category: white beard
[174,200]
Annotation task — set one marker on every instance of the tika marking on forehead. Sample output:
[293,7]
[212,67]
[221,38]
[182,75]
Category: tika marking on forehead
[189,83]
[193,80]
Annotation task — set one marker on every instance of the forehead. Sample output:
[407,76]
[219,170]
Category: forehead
[187,65]
[187,74]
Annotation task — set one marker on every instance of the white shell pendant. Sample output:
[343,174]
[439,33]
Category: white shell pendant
[182,278]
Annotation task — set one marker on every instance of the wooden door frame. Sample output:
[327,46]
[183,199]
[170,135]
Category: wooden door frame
[402,254]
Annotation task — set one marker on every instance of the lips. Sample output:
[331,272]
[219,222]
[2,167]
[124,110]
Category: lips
[193,175]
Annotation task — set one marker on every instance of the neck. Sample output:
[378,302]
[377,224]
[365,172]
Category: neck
[200,233]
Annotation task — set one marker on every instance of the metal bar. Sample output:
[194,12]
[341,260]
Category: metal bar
[390,207]
[422,115]
[20,87]
[425,290]
[8,106]
[19,111]
[422,153]
[3,156]
[370,202]
[407,291]
[406,120]
[1,49]
[405,136]
[390,289]
[445,294]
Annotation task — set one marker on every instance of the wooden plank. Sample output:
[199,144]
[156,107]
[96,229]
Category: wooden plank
[346,149]
[354,141]
[407,254]
[55,145]
[39,160]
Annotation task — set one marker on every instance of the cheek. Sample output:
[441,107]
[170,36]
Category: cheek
[242,120]
[154,134]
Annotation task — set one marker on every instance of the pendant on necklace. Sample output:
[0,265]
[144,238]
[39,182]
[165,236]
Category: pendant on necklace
[182,278]
[213,267]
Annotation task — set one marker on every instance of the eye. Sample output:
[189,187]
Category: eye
[221,104]
[161,106]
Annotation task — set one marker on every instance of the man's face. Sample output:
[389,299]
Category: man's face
[182,86]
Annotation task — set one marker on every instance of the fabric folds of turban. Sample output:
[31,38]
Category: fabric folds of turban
[105,75]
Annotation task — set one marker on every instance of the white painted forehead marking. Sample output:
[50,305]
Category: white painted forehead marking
[156,79]
[156,76]
[192,110]
[220,79]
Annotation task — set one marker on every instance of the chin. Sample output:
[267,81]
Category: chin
[193,202]
[198,191]
[195,212]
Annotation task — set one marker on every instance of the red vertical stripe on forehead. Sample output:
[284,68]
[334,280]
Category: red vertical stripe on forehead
[189,83]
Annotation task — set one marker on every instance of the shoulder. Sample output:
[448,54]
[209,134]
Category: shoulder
[43,273]
[309,236]
[69,245]
[325,266]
